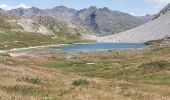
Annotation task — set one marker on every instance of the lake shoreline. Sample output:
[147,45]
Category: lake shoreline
[81,47]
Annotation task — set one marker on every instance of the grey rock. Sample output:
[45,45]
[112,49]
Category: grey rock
[156,29]
[99,21]
[163,11]
[103,21]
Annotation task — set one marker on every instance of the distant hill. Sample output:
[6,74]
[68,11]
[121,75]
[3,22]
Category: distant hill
[156,29]
[100,21]
[104,22]
[17,32]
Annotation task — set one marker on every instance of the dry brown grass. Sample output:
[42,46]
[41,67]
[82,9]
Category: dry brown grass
[55,83]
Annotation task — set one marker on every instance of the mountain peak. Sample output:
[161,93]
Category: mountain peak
[101,21]
[1,9]
[20,8]
[33,8]
[105,8]
[163,11]
[92,7]
[60,7]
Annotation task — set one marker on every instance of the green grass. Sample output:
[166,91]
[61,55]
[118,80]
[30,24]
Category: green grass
[154,66]
[47,98]
[19,40]
[136,74]
[106,68]
[80,65]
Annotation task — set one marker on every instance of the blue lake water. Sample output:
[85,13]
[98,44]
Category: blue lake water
[89,47]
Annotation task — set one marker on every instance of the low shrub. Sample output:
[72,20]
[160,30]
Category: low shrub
[80,82]
[47,98]
[30,80]
[154,66]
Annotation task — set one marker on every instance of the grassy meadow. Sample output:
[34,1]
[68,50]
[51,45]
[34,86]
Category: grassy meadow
[132,74]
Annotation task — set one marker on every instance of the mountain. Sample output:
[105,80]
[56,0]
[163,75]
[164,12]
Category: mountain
[100,21]
[25,12]
[59,12]
[2,11]
[163,11]
[17,32]
[156,29]
[103,21]
[147,18]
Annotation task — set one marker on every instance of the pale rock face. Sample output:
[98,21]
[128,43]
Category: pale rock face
[43,30]
[30,25]
[26,24]
[163,11]
[156,29]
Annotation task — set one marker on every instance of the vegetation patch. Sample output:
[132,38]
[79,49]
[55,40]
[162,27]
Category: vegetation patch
[47,98]
[30,80]
[77,65]
[4,54]
[80,82]
[24,90]
[154,66]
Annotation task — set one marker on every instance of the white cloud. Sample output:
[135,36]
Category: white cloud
[8,7]
[134,14]
[159,2]
[131,13]
[5,6]
[23,6]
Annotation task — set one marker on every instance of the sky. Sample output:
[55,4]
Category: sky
[134,7]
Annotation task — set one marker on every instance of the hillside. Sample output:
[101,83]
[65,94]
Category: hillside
[100,21]
[153,30]
[163,11]
[17,32]
[103,21]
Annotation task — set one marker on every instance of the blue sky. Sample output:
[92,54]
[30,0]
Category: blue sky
[137,7]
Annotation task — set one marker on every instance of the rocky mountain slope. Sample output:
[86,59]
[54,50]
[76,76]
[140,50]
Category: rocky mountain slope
[163,11]
[34,31]
[100,21]
[156,29]
[104,22]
